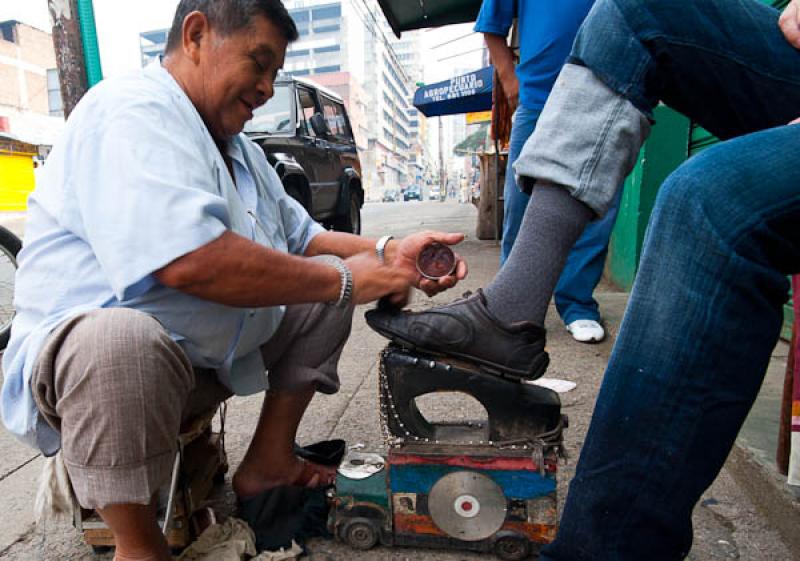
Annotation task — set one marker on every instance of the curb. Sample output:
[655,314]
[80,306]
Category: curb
[770,494]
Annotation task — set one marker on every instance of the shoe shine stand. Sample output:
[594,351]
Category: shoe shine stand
[483,486]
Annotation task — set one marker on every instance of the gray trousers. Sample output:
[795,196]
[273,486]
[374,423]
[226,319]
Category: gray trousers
[117,388]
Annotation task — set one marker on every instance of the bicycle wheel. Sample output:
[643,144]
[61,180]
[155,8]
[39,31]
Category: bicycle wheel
[9,247]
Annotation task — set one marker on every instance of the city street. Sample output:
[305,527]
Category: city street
[727,523]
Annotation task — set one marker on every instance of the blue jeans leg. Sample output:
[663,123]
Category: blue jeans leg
[515,200]
[723,63]
[584,269]
[703,317]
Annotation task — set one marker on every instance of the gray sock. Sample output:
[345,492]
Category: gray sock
[553,221]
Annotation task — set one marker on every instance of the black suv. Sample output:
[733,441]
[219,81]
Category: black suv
[305,133]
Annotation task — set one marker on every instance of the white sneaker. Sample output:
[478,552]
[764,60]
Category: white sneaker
[586,331]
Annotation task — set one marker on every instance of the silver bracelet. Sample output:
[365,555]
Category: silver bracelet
[345,275]
[380,248]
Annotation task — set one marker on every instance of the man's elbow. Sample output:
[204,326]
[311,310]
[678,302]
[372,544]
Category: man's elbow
[178,275]
[193,268]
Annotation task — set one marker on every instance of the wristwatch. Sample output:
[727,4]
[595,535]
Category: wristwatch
[380,248]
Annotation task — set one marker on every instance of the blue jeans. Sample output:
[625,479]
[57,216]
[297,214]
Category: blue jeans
[584,266]
[706,308]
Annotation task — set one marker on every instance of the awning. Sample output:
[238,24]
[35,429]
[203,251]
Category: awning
[463,94]
[404,15]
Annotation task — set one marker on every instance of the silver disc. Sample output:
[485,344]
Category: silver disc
[467,505]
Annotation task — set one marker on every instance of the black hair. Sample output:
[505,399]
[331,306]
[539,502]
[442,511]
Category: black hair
[229,16]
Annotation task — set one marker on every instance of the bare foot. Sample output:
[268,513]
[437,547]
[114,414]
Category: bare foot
[249,481]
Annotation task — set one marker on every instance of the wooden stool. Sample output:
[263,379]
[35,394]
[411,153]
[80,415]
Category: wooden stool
[200,462]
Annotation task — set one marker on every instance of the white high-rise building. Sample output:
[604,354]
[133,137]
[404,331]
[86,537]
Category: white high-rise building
[408,49]
[348,36]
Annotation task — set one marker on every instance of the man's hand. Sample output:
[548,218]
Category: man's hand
[373,280]
[511,89]
[405,256]
[790,23]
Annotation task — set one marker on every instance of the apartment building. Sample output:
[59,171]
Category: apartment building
[30,95]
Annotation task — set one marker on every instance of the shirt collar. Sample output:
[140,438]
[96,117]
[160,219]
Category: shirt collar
[233,149]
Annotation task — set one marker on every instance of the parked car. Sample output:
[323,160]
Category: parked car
[390,196]
[412,192]
[434,195]
[305,133]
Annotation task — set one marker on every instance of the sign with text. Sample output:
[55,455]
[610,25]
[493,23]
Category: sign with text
[468,93]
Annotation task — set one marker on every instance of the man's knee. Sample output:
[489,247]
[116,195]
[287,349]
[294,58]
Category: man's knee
[706,199]
[115,346]
[106,379]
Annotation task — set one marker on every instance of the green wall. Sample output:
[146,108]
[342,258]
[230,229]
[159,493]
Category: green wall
[664,151]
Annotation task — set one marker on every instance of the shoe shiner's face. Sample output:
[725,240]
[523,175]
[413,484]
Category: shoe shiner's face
[236,74]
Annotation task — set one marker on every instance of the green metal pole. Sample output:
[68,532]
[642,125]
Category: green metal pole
[91,52]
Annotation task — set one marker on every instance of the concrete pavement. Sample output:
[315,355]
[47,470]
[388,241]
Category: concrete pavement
[728,524]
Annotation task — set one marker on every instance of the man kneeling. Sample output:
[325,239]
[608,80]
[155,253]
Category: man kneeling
[164,268]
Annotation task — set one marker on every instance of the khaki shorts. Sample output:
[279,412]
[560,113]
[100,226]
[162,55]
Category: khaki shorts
[117,387]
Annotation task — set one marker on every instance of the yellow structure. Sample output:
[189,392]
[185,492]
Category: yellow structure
[16,173]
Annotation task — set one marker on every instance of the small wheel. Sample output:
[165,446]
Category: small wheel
[361,534]
[512,548]
[101,549]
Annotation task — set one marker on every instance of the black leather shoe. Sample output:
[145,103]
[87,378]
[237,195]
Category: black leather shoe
[466,329]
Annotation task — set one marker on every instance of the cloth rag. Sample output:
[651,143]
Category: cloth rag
[233,540]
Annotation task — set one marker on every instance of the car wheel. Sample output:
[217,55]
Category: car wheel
[361,534]
[351,221]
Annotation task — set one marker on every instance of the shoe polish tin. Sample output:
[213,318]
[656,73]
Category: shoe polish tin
[436,261]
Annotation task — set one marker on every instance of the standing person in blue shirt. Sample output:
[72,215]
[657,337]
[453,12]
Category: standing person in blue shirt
[165,268]
[546,30]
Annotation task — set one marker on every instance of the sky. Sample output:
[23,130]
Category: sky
[118,34]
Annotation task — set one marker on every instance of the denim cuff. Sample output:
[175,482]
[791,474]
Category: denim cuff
[587,139]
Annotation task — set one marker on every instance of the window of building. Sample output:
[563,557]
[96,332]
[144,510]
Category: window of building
[8,31]
[301,52]
[54,103]
[326,69]
[327,28]
[299,15]
[327,12]
[304,72]
[331,49]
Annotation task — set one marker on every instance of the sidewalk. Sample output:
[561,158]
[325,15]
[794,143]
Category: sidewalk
[729,524]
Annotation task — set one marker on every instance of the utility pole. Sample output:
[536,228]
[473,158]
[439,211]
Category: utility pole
[442,174]
[69,52]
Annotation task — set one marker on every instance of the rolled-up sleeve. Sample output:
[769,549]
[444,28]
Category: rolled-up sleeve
[496,17]
[145,195]
[300,227]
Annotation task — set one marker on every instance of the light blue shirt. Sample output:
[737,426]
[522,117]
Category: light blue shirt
[135,182]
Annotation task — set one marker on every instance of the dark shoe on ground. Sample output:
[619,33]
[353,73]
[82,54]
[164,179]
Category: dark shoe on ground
[466,329]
